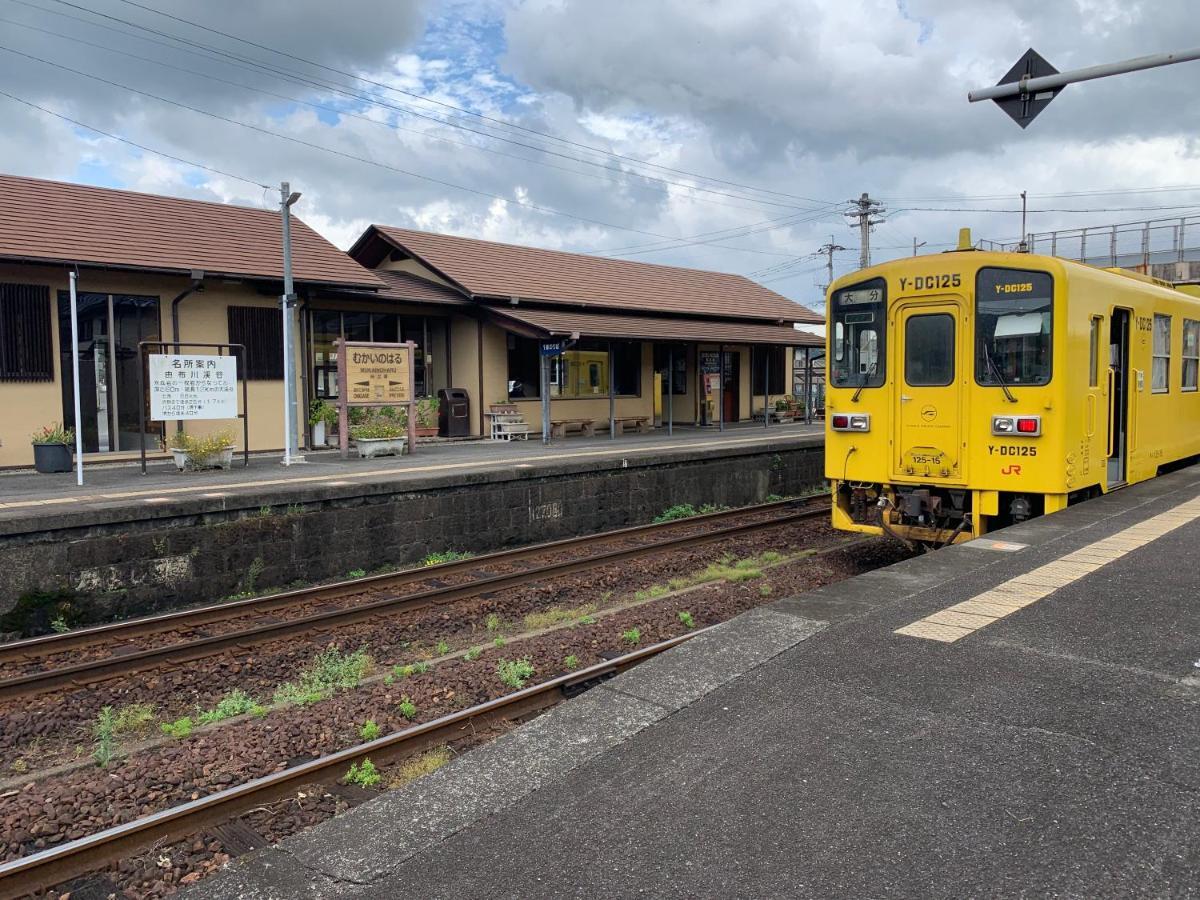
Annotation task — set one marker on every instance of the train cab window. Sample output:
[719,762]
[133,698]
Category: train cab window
[1191,354]
[1160,372]
[858,341]
[929,350]
[1014,320]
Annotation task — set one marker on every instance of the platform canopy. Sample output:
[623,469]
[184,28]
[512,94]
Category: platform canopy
[547,323]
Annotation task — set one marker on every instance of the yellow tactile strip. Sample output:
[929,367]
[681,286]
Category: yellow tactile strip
[342,477]
[957,621]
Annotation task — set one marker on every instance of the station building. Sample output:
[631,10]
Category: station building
[153,268]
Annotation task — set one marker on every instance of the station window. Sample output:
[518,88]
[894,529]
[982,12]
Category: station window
[770,362]
[1014,319]
[581,372]
[1191,354]
[26,342]
[1160,373]
[929,350]
[858,342]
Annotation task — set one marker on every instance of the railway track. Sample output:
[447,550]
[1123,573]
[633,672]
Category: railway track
[639,540]
[61,863]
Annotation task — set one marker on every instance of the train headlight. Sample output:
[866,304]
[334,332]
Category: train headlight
[856,422]
[1026,426]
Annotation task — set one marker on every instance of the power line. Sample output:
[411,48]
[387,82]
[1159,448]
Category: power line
[373,98]
[143,147]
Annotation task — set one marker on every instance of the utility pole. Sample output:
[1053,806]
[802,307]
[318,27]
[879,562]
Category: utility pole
[829,249]
[868,212]
[917,246]
[1023,247]
[291,444]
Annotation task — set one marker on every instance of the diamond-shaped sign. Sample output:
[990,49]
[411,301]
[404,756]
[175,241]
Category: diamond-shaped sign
[1024,107]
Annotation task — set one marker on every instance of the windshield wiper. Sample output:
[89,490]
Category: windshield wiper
[999,378]
[867,376]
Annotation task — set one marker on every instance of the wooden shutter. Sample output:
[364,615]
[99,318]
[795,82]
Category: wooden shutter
[259,329]
[26,341]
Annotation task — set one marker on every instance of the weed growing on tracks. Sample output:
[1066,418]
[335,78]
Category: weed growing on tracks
[330,671]
[356,573]
[59,625]
[407,708]
[474,653]
[515,672]
[179,729]
[254,573]
[446,556]
[412,769]
[652,593]
[686,618]
[406,671]
[686,511]
[106,744]
[133,718]
[264,512]
[764,590]
[493,622]
[363,774]
[557,615]
[370,730]
[442,648]
[587,620]
[571,662]
[499,642]
[236,703]
[633,635]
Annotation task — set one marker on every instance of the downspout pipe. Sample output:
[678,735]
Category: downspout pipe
[197,285]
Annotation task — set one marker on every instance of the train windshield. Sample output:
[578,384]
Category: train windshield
[857,317]
[1014,317]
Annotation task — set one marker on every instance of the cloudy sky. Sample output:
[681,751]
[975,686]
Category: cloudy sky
[690,132]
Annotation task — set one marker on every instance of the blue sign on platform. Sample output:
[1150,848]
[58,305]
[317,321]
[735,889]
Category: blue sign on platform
[553,348]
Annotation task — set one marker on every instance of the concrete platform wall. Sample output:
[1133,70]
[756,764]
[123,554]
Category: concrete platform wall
[91,565]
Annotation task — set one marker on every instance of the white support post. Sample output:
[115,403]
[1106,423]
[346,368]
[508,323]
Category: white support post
[75,375]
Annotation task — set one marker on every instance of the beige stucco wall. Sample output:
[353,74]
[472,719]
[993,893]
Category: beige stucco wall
[411,265]
[203,318]
[464,363]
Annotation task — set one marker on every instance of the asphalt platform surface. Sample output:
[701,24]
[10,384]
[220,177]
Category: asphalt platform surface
[805,749]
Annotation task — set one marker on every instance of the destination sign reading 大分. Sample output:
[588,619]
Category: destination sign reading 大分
[379,375]
[863,295]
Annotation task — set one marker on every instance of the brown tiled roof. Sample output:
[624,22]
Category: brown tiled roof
[488,269]
[407,286]
[555,323]
[53,221]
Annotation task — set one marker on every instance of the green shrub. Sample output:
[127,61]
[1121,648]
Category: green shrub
[178,729]
[493,622]
[571,662]
[236,703]
[442,648]
[633,635]
[446,556]
[407,708]
[515,672]
[474,653]
[370,730]
[330,671]
[686,618]
[363,774]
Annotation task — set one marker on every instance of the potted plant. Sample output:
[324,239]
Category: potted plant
[52,448]
[322,416]
[212,452]
[427,416]
[380,435]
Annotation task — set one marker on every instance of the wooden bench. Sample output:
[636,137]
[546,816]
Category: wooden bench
[507,423]
[640,424]
[559,427]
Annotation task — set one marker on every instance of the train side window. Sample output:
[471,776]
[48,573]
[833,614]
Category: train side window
[1094,352]
[1160,373]
[929,350]
[1191,354]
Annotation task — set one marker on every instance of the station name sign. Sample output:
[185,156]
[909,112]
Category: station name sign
[192,387]
[379,375]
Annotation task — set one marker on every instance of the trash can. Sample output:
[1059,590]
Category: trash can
[454,413]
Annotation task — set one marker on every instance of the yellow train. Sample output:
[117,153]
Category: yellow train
[969,390]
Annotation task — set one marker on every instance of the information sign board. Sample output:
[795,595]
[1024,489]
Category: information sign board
[378,375]
[192,387]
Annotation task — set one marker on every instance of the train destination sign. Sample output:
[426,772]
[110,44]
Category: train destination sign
[192,387]
[379,375]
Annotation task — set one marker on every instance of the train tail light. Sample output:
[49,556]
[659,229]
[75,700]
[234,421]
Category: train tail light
[856,422]
[1026,426]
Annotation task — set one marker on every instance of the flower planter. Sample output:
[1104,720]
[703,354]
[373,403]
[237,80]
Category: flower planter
[51,458]
[318,434]
[427,431]
[369,448]
[222,459]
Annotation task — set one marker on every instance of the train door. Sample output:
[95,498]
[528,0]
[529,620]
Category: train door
[1118,397]
[927,445]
